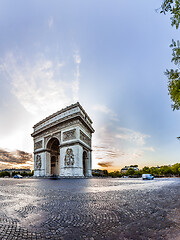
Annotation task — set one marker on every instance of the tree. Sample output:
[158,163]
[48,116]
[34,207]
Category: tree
[130,172]
[105,172]
[146,170]
[176,169]
[173,7]
[165,170]
[154,171]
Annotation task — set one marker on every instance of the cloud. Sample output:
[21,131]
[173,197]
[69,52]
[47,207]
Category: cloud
[104,109]
[38,84]
[151,149]
[11,159]
[131,136]
[50,22]
[117,144]
[77,60]
[105,164]
[120,146]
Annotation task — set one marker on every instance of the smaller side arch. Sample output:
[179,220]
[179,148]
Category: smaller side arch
[53,148]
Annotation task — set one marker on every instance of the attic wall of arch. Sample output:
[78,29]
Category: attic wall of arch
[56,129]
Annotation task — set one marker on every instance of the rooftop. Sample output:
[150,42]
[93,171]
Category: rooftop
[64,110]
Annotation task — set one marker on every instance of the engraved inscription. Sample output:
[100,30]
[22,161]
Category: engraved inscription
[69,135]
[85,138]
[38,145]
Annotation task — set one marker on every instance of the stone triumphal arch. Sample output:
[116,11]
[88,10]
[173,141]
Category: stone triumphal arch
[62,144]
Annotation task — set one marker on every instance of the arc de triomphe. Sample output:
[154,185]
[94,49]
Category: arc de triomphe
[62,144]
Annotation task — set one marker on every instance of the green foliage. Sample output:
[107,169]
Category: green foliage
[103,173]
[154,171]
[115,174]
[163,171]
[146,170]
[24,174]
[130,172]
[176,169]
[173,7]
[4,174]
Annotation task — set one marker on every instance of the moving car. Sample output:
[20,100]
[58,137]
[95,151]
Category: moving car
[17,176]
[147,176]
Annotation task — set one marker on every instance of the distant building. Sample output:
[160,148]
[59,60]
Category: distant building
[135,167]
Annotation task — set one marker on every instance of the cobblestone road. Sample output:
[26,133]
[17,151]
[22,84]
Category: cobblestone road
[89,209]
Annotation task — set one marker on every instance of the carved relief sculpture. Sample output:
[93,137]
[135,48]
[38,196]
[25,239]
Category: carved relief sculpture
[38,162]
[85,138]
[38,145]
[69,158]
[69,135]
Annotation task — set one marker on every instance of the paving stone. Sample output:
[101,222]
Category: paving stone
[90,209]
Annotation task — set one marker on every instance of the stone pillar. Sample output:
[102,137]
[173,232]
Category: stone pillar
[88,169]
[39,161]
[48,164]
[75,156]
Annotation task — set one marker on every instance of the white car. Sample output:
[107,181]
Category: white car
[147,176]
[17,176]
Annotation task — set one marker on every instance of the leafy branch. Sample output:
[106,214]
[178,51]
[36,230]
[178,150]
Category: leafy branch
[173,7]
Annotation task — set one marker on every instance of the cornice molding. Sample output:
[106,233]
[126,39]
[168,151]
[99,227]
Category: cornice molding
[62,111]
[63,120]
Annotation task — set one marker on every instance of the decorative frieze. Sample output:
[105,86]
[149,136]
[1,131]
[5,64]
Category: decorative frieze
[85,138]
[69,135]
[69,158]
[38,145]
[61,126]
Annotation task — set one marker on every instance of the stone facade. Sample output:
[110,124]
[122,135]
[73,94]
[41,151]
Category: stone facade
[62,144]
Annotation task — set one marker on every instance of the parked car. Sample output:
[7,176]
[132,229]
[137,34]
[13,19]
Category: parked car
[147,177]
[17,176]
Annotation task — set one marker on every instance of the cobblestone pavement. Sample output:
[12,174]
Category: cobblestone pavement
[89,209]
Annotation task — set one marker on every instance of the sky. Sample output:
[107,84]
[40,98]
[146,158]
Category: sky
[108,55]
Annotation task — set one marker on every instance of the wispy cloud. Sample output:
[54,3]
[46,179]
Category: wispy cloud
[77,60]
[105,164]
[39,85]
[151,149]
[131,136]
[50,22]
[116,144]
[105,110]
[120,146]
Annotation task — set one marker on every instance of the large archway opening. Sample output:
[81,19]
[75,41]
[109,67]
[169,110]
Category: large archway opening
[53,148]
[84,163]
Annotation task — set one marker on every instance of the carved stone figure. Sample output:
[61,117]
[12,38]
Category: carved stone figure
[38,162]
[69,158]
